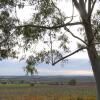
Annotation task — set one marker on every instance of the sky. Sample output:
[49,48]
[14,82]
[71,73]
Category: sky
[77,64]
[74,66]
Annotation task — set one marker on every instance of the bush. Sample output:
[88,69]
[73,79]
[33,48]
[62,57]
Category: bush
[21,81]
[72,82]
[32,84]
[3,82]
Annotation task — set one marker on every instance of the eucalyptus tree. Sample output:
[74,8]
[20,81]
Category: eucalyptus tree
[7,22]
[51,26]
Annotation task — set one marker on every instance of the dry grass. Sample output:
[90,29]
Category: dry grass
[46,92]
[53,97]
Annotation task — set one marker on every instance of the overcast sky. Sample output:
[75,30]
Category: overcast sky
[78,64]
[74,66]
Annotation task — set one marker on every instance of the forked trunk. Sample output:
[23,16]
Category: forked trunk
[93,56]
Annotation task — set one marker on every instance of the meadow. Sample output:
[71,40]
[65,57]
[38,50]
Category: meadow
[84,91]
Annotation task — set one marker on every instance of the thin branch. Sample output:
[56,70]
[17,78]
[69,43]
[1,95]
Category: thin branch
[76,4]
[89,7]
[76,51]
[92,8]
[51,47]
[72,16]
[50,27]
[69,22]
[16,15]
[75,36]
[61,13]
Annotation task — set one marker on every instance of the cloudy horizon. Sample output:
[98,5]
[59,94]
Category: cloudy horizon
[76,67]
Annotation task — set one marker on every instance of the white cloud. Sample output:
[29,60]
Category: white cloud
[43,71]
[78,72]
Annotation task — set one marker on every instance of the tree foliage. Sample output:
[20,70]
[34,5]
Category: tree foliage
[48,25]
[7,23]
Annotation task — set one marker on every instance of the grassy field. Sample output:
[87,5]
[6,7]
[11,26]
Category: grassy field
[47,92]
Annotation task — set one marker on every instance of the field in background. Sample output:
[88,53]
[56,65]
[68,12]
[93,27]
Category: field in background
[81,91]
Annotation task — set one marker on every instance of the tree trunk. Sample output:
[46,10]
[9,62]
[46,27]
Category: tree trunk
[97,78]
[96,70]
[93,56]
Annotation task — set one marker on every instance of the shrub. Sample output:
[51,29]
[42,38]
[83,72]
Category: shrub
[21,81]
[32,84]
[72,82]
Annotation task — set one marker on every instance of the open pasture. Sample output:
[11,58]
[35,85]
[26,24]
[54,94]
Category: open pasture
[81,91]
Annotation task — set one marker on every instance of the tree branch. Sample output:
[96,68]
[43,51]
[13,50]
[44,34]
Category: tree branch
[80,6]
[50,27]
[69,22]
[89,7]
[92,8]
[69,55]
[76,4]
[75,36]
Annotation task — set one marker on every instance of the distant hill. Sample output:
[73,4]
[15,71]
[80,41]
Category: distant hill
[47,78]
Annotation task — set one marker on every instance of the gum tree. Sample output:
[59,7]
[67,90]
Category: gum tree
[48,21]
[8,40]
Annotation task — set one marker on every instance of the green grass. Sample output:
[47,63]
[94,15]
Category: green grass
[46,89]
[14,85]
